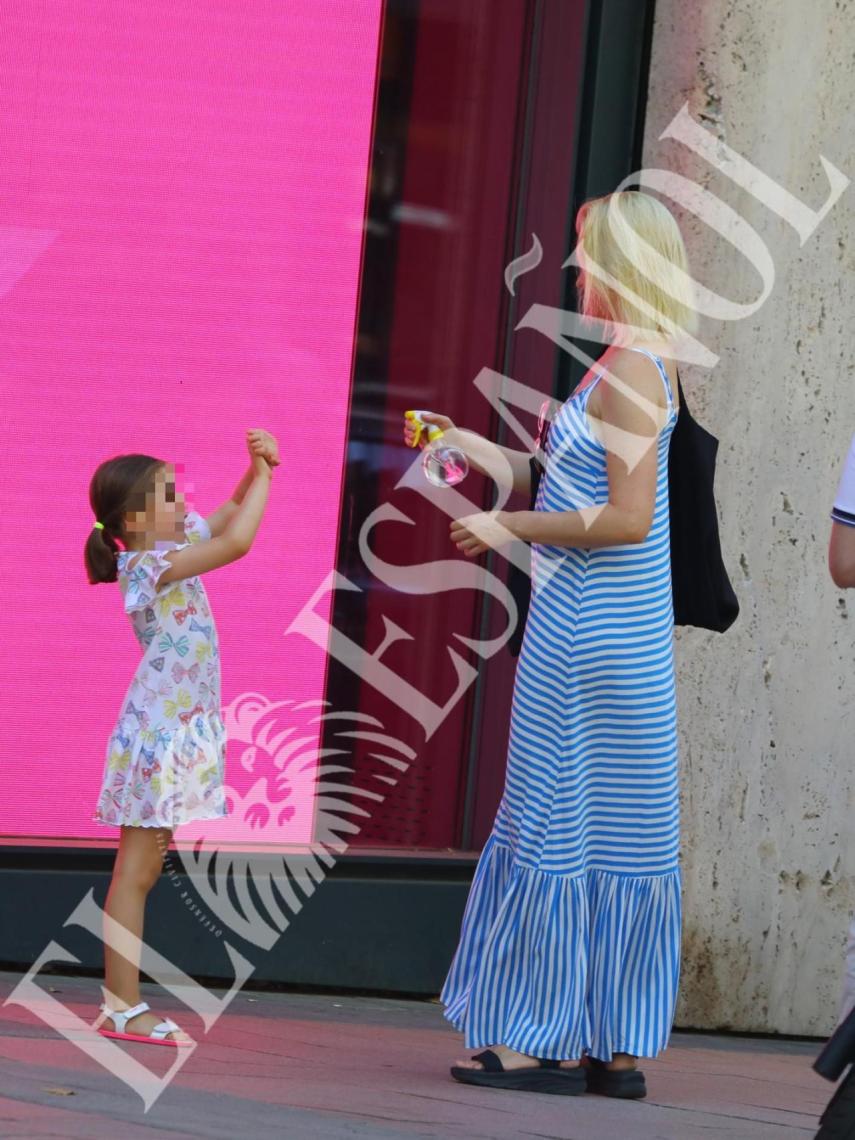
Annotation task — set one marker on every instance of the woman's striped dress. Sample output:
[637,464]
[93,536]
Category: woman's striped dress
[571,935]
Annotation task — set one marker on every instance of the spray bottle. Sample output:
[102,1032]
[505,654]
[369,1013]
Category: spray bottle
[443,464]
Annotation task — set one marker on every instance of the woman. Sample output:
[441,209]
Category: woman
[568,961]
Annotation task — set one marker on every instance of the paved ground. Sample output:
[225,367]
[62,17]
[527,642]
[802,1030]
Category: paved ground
[307,1066]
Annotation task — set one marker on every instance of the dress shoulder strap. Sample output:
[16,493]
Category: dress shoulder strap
[657,360]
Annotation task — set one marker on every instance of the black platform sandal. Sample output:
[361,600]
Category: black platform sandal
[628,1084]
[548,1077]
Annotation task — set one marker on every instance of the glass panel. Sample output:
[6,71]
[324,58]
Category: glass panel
[472,153]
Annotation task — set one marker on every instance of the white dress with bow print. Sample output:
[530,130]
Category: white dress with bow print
[165,762]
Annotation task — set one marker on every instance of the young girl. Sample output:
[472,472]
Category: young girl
[166,755]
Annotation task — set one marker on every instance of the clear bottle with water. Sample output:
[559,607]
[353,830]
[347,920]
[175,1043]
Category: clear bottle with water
[444,464]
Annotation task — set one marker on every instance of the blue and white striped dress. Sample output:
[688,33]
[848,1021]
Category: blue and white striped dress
[571,936]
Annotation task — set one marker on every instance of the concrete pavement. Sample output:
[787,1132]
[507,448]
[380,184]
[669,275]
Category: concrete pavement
[331,1067]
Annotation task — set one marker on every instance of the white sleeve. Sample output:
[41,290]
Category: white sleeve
[140,583]
[844,500]
[847,1001]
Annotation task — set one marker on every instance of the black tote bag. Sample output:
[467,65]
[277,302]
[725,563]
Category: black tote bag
[702,593]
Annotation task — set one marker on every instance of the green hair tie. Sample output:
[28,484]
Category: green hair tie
[99,525]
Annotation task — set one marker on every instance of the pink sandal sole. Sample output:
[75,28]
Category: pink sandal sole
[146,1039]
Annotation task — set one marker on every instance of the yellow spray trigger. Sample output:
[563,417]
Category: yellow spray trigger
[417,425]
[433,432]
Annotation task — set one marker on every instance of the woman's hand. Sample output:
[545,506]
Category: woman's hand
[260,442]
[487,530]
[410,427]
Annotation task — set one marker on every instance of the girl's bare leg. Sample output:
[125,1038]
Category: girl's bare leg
[139,861]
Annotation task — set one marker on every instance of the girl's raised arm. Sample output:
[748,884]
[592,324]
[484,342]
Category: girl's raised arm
[259,442]
[236,539]
[222,516]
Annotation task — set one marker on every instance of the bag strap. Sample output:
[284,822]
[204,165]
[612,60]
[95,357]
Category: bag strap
[680,394]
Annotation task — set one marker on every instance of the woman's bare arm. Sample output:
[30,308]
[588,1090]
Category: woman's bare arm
[509,468]
[841,555]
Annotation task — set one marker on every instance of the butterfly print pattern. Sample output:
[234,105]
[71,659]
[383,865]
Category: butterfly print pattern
[165,759]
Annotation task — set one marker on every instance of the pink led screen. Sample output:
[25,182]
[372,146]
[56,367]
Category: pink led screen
[182,191]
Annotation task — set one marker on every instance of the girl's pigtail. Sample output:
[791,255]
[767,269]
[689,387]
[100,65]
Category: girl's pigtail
[99,555]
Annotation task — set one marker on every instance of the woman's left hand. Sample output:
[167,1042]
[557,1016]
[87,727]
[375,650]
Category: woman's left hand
[487,530]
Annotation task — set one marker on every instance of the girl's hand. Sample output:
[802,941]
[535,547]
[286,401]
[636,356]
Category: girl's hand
[411,428]
[260,466]
[485,531]
[260,442]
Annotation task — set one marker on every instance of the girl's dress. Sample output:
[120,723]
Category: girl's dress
[571,935]
[165,760]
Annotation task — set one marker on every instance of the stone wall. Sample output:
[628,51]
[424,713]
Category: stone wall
[767,710]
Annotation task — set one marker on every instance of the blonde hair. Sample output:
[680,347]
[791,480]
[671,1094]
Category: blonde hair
[634,268]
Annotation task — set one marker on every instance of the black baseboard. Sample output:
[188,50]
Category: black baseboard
[372,925]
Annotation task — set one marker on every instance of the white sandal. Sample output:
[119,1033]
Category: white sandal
[157,1036]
